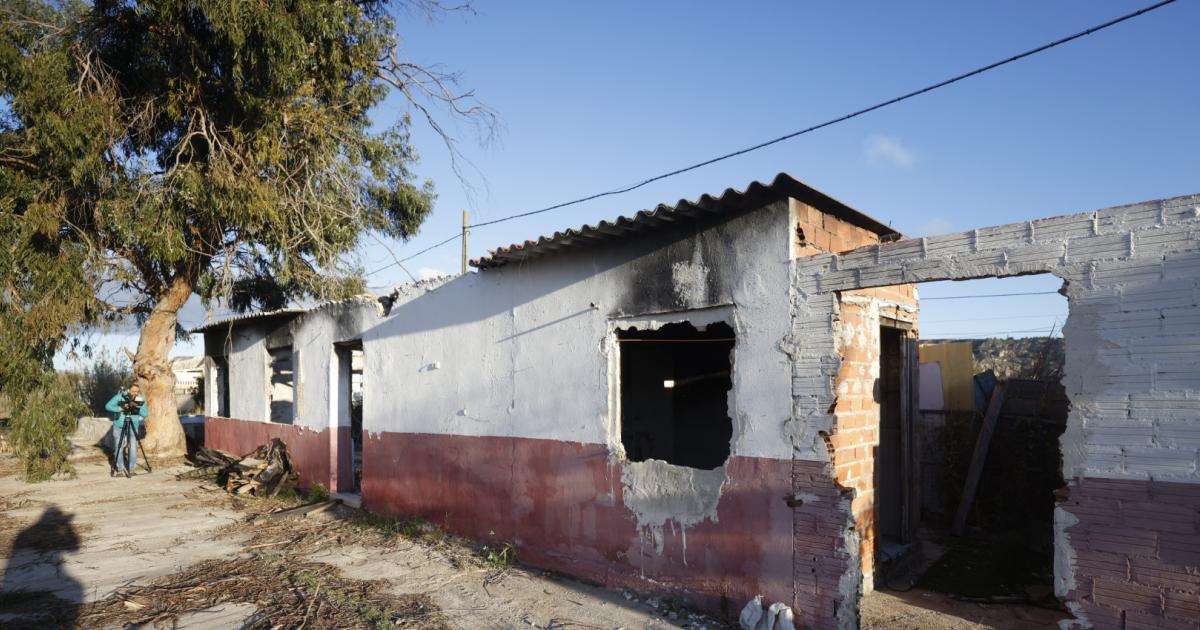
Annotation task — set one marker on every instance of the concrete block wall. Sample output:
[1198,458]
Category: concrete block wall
[1133,284]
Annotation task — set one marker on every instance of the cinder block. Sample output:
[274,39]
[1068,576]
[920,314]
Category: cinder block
[1181,604]
[1002,236]
[1166,575]
[1179,549]
[1160,461]
[1178,434]
[1159,517]
[946,244]
[1181,266]
[1062,228]
[1042,256]
[1119,436]
[1135,620]
[900,252]
[1127,596]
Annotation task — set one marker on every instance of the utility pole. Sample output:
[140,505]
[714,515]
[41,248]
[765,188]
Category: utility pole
[466,223]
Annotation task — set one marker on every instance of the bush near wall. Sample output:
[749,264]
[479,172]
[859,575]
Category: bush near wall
[41,426]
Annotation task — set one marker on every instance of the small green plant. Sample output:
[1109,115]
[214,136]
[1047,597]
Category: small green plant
[500,557]
[407,526]
[288,495]
[318,492]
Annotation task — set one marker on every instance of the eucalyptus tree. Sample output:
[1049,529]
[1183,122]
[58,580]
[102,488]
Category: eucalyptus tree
[155,149]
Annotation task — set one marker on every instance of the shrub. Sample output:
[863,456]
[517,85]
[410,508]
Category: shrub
[41,427]
[318,492]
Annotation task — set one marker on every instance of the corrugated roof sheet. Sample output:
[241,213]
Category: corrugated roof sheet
[756,195]
[246,317]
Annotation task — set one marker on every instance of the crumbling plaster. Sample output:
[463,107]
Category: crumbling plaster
[1133,283]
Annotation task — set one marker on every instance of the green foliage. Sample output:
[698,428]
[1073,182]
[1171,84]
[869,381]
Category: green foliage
[318,492]
[41,427]
[500,557]
[150,149]
[223,141]
[407,526]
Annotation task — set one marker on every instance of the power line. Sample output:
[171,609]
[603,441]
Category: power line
[806,130]
[987,295]
[981,319]
[408,258]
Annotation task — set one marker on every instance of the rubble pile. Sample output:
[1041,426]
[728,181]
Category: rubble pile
[263,473]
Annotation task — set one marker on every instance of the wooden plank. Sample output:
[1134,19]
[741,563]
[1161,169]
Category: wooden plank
[979,458]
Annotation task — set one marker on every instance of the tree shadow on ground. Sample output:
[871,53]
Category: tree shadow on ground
[36,592]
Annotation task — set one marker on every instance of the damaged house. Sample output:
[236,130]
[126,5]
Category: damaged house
[717,399]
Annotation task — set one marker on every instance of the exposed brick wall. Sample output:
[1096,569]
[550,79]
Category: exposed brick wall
[820,559]
[855,440]
[1136,550]
[815,232]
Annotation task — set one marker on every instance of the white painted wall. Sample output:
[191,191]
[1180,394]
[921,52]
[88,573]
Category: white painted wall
[526,350]
[313,335]
[249,373]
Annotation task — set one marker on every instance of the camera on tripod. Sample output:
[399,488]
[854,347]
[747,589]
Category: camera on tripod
[130,404]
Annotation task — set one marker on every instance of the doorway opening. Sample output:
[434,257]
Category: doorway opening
[959,415]
[348,395]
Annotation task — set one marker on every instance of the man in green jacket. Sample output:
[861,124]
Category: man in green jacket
[129,406]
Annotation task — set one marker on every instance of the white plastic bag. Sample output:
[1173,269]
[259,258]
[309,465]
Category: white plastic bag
[777,617]
[751,614]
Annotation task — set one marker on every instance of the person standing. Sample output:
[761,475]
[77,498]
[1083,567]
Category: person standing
[129,407]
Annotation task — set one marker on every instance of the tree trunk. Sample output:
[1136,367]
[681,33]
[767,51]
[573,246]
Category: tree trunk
[164,433]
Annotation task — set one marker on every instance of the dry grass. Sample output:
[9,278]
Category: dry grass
[287,592]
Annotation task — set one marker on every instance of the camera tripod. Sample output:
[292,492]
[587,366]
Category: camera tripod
[129,432]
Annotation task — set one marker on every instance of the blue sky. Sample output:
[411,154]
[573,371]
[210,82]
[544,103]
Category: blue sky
[596,95]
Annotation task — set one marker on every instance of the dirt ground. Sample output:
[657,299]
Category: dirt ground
[154,551]
[159,552]
[921,609]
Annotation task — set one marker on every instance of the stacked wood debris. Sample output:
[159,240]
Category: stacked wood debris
[263,473]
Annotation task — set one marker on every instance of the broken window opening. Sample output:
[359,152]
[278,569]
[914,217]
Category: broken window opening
[675,383]
[282,386]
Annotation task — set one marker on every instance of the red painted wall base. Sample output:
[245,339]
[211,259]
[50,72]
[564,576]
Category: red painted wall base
[310,450]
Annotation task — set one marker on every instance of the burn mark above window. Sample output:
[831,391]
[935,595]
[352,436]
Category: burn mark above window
[675,383]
